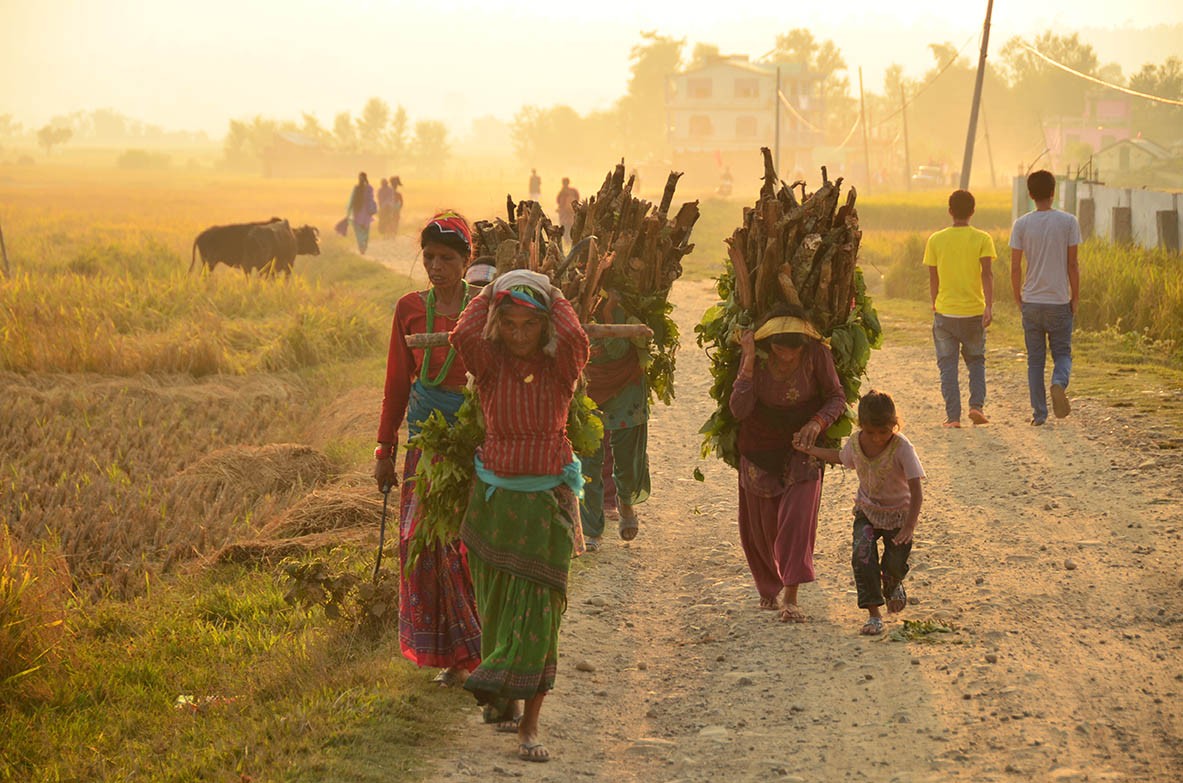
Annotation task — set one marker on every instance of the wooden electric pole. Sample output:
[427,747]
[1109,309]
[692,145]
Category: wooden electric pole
[907,151]
[776,124]
[967,162]
[863,119]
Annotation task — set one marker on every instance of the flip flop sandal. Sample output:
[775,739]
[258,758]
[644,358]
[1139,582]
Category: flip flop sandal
[872,627]
[628,526]
[533,751]
[898,599]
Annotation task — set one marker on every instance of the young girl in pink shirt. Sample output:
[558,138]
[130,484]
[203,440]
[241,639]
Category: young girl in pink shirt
[887,505]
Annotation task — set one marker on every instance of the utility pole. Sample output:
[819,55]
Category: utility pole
[776,124]
[907,151]
[989,152]
[967,162]
[863,119]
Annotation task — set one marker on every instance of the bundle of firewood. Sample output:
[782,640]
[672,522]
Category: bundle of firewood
[800,252]
[635,252]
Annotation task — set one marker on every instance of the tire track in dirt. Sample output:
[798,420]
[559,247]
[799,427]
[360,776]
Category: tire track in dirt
[1058,670]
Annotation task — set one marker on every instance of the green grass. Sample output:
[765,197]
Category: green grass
[216,678]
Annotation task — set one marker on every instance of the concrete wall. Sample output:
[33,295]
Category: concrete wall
[1144,206]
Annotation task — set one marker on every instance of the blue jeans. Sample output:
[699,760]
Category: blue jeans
[1046,326]
[966,336]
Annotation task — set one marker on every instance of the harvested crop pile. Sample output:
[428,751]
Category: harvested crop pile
[250,472]
[325,510]
[802,253]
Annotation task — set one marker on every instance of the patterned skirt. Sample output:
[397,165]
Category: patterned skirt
[519,549]
[437,619]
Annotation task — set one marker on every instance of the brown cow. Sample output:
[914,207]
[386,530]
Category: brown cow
[224,244]
[273,247]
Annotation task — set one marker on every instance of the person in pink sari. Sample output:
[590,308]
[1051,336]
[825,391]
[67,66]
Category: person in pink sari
[786,385]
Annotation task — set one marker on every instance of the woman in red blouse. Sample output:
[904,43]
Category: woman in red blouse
[437,621]
[523,344]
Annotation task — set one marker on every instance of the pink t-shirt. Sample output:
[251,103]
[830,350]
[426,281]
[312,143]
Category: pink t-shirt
[883,493]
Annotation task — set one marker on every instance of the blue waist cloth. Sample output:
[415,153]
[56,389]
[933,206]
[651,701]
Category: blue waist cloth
[572,476]
[423,400]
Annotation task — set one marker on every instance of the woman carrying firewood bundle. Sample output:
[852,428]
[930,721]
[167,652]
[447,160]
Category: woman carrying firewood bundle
[786,384]
[616,382]
[437,620]
[522,342]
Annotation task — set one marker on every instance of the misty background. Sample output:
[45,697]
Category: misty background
[309,88]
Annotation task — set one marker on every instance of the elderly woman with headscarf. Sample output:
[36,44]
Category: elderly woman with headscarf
[438,624]
[522,342]
[786,387]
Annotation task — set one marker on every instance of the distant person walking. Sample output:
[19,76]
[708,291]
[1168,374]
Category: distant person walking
[396,204]
[360,211]
[1049,293]
[566,203]
[385,207]
[535,186]
[960,262]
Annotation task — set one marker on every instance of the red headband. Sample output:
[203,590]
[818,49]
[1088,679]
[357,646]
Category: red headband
[449,223]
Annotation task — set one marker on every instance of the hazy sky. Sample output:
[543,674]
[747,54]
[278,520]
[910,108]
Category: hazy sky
[195,65]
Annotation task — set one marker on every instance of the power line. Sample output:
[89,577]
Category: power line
[1095,80]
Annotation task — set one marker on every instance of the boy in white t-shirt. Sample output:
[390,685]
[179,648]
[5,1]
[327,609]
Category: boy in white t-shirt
[887,505]
[1048,294]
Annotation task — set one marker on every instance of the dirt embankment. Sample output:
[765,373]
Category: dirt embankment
[1053,551]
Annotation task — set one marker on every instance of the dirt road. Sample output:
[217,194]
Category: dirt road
[1054,551]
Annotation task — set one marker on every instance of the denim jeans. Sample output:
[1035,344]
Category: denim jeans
[867,564]
[966,336]
[1046,326]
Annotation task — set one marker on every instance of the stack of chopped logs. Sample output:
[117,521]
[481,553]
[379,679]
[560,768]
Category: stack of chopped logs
[642,249]
[799,252]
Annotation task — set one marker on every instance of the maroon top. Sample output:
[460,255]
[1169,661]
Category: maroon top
[815,384]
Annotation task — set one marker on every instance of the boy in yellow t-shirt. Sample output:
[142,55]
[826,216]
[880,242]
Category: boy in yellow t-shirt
[961,282]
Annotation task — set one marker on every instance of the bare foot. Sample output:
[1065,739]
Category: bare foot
[767,603]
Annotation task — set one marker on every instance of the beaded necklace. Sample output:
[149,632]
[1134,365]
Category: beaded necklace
[451,357]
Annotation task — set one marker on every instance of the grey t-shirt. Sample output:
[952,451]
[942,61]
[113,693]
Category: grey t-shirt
[1044,237]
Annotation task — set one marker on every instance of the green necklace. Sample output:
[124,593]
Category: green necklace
[451,357]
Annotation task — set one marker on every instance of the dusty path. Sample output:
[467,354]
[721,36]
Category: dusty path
[1054,551]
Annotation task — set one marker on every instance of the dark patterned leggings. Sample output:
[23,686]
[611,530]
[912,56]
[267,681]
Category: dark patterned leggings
[869,568]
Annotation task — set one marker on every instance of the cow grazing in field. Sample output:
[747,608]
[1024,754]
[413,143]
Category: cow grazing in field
[224,244]
[268,246]
[273,247]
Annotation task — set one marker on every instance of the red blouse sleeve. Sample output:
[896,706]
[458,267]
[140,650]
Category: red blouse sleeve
[573,346]
[475,351]
[400,366]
